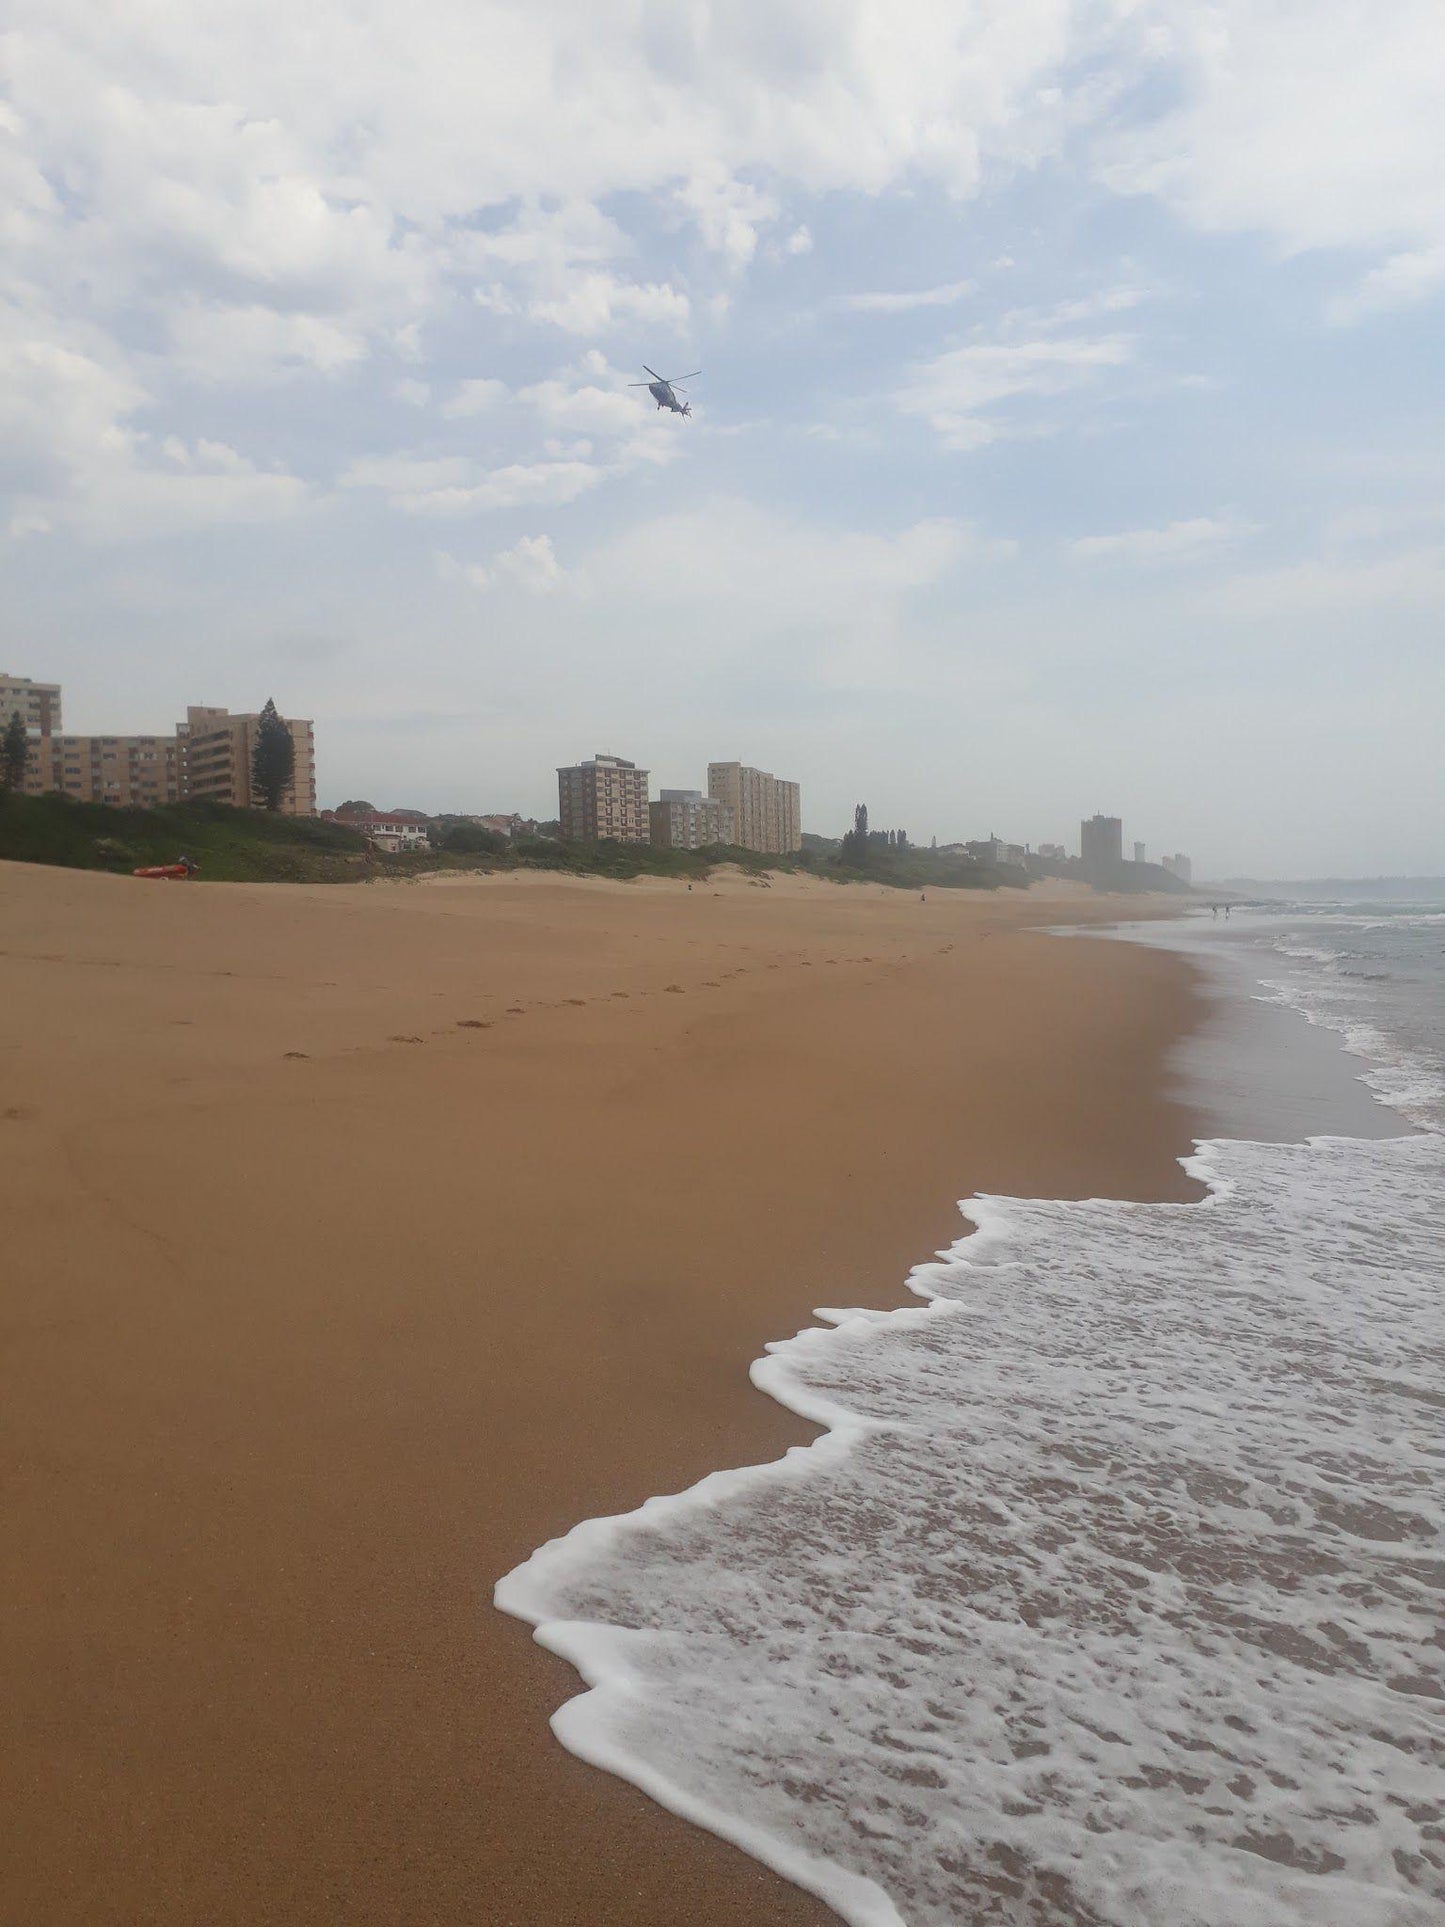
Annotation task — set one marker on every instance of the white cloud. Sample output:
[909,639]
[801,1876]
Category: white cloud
[598,300]
[339,169]
[70,456]
[1402,281]
[455,485]
[1318,125]
[585,409]
[403,475]
[905,300]
[785,569]
[1376,522]
[476,397]
[592,430]
[729,213]
[532,563]
[230,344]
[953,391]
[1177,542]
[1320,587]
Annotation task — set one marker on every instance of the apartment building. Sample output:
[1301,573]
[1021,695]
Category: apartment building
[688,820]
[216,749]
[1101,846]
[767,810]
[127,772]
[603,799]
[37,702]
[208,755]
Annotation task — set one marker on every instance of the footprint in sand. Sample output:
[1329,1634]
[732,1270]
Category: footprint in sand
[620,993]
[16,1113]
[294,1056]
[676,989]
[576,1002]
[516,1010]
[404,1040]
[472,1023]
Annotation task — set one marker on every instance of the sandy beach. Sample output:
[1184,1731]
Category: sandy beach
[357,1240]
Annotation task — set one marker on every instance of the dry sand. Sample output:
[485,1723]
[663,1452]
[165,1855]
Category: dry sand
[356,1240]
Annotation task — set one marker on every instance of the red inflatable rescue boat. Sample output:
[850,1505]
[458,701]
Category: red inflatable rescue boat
[179,871]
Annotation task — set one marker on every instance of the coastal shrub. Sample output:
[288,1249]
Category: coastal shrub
[471,839]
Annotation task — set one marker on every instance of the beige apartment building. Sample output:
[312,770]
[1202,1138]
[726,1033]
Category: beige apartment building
[128,772]
[688,820]
[37,702]
[605,798]
[208,755]
[216,749]
[767,810]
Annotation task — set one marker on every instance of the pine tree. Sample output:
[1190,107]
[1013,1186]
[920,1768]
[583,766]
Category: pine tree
[273,761]
[855,843]
[14,755]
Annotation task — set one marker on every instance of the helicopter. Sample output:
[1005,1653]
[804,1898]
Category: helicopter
[661,387]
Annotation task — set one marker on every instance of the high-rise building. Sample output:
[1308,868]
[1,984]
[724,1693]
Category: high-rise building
[216,749]
[767,810]
[208,755]
[1179,866]
[37,702]
[688,820]
[603,799]
[1138,852]
[1101,846]
[128,772]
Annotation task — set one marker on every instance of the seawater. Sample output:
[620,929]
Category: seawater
[1115,1591]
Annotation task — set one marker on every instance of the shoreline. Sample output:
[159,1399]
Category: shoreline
[308,1365]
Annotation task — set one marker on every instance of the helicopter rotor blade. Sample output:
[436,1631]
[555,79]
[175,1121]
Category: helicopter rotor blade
[651,371]
[673,380]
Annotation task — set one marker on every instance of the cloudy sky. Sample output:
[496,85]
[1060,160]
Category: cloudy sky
[1069,436]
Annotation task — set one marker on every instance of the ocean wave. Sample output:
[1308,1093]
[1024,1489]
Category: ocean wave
[1109,1597]
[1398,1075]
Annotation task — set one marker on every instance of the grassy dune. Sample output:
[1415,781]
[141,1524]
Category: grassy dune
[252,846]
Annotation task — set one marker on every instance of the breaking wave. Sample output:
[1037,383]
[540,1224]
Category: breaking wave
[1112,1595]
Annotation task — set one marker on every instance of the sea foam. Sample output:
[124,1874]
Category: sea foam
[1113,1595]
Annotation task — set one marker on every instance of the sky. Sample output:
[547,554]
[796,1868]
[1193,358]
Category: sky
[1068,436]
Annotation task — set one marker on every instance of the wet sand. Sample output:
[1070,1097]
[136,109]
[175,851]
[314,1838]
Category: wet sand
[357,1240]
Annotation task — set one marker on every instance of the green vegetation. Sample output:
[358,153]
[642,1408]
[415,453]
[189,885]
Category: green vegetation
[232,846]
[273,761]
[470,839]
[14,754]
[261,846]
